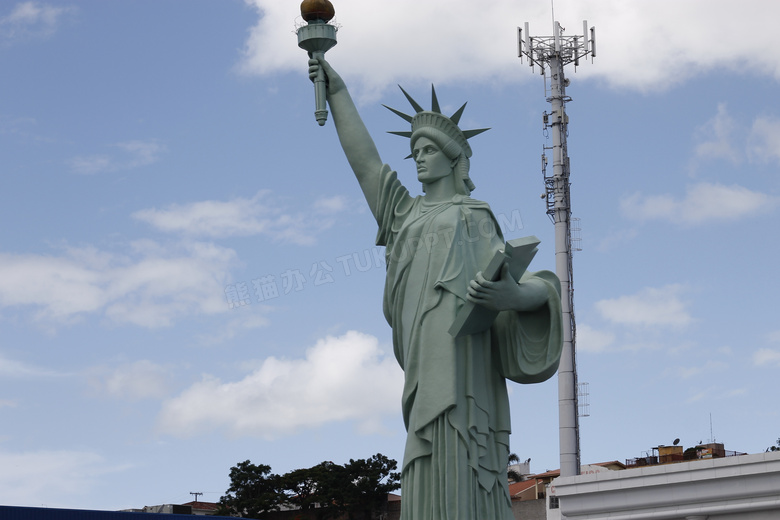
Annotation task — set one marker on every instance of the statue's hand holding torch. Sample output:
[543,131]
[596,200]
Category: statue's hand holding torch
[333,82]
[317,37]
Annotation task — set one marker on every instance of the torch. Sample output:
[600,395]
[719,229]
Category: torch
[317,37]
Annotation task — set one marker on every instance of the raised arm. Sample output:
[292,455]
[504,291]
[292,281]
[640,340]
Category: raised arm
[355,140]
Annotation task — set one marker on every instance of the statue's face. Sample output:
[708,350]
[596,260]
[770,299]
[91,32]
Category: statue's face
[432,164]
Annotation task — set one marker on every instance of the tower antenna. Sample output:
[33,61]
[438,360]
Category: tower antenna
[552,11]
[551,54]
[712,437]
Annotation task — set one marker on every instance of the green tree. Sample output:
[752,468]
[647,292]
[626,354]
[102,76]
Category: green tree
[300,488]
[775,447]
[367,484]
[357,489]
[253,491]
[319,487]
[512,474]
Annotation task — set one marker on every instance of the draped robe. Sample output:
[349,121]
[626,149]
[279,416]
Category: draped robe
[455,403]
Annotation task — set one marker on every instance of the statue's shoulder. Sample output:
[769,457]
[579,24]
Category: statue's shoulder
[475,203]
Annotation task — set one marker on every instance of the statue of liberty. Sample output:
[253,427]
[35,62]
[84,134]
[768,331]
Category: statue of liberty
[455,404]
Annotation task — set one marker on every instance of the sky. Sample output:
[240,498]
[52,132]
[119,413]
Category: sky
[188,276]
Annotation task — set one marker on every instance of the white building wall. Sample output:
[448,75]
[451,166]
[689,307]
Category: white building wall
[744,487]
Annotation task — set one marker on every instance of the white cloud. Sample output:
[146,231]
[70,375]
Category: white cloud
[242,217]
[736,392]
[640,45]
[725,350]
[331,204]
[713,394]
[54,478]
[703,202]
[346,378]
[723,137]
[133,381]
[150,287]
[616,237]
[698,396]
[232,328]
[141,153]
[705,367]
[31,13]
[764,140]
[132,154]
[92,164]
[22,129]
[766,356]
[716,137]
[30,20]
[662,306]
[10,368]
[592,340]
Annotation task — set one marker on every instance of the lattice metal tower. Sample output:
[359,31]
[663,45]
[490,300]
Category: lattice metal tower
[551,54]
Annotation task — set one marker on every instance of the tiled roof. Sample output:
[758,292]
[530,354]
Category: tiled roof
[515,488]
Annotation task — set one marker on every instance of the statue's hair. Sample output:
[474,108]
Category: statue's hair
[446,143]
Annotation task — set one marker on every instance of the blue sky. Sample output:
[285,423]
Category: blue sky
[160,161]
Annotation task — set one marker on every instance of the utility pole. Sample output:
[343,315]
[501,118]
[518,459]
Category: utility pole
[196,494]
[551,54]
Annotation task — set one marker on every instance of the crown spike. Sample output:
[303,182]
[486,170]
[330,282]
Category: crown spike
[471,133]
[400,114]
[401,133]
[414,103]
[456,116]
[435,101]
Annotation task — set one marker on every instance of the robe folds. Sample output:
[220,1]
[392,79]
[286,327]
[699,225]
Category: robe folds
[455,404]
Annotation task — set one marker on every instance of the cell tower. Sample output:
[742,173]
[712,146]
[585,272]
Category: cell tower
[551,54]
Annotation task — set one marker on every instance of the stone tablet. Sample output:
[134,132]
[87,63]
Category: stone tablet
[518,253]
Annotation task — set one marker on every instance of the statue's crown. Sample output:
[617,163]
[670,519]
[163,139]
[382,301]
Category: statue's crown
[435,119]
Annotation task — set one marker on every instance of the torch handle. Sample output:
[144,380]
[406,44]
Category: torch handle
[321,110]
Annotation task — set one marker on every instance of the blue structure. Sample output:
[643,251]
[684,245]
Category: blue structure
[43,513]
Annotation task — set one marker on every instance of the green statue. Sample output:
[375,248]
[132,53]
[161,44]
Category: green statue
[455,403]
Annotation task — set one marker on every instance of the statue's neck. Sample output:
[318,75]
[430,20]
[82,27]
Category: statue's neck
[440,190]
